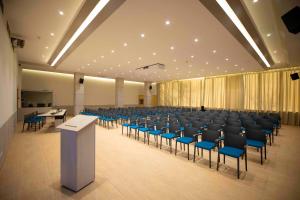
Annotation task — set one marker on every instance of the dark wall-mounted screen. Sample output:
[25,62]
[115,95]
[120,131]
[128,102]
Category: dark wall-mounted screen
[36,98]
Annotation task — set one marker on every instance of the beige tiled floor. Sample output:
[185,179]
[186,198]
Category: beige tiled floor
[129,169]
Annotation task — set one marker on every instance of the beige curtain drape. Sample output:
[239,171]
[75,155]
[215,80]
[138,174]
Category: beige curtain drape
[268,91]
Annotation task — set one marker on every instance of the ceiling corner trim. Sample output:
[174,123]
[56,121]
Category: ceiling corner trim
[92,14]
[233,16]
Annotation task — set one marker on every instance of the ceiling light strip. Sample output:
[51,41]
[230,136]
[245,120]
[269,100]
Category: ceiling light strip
[100,5]
[228,10]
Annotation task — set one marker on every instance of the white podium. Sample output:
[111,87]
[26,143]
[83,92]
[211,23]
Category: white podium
[77,152]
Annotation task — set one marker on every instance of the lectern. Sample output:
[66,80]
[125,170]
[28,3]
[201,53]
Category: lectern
[77,152]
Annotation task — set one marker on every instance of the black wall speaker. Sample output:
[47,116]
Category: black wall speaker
[292,20]
[81,80]
[295,76]
[150,87]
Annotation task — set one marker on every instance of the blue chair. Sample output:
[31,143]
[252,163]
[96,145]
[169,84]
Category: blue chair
[174,132]
[128,123]
[189,136]
[144,127]
[209,141]
[235,147]
[159,129]
[257,139]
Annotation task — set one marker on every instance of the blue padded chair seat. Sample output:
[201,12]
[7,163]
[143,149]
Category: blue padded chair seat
[185,140]
[181,128]
[134,126]
[206,145]
[266,131]
[168,135]
[126,124]
[255,143]
[231,151]
[200,132]
[155,132]
[143,129]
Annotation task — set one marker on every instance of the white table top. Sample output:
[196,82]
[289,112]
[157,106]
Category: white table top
[78,122]
[54,113]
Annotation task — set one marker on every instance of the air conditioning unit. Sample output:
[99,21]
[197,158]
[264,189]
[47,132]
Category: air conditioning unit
[17,42]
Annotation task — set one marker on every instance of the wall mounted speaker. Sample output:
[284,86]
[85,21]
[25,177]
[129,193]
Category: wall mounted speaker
[150,87]
[295,76]
[292,20]
[81,80]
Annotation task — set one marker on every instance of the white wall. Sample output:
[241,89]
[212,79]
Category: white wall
[131,92]
[8,76]
[8,89]
[60,84]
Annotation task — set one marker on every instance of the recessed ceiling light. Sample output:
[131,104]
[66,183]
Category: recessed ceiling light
[154,53]
[99,72]
[82,67]
[196,40]
[46,47]
[174,60]
[190,65]
[110,68]
[218,68]
[105,70]
[125,44]
[128,62]
[88,64]
[60,12]
[206,63]
[142,35]
[190,72]
[231,14]
[177,68]
[192,56]
[269,34]
[226,59]
[242,69]
[225,71]
[167,22]
[140,58]
[52,34]
[112,51]
[274,51]
[43,56]
[102,57]
[172,48]
[235,65]
[214,51]
[254,1]
[94,60]
[119,65]
[96,10]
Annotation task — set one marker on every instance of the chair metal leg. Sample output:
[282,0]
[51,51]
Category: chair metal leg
[122,129]
[194,153]
[188,148]
[246,165]
[201,153]
[23,127]
[218,161]
[265,151]
[238,168]
[176,148]
[170,142]
[224,159]
[160,142]
[209,158]
[261,155]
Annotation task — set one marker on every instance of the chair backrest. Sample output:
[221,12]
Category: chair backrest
[189,132]
[256,134]
[233,130]
[210,135]
[236,141]
[215,127]
[173,128]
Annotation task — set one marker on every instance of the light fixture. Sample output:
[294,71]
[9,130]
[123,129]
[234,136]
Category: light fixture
[190,65]
[167,22]
[154,53]
[196,40]
[97,9]
[112,51]
[60,12]
[94,60]
[102,57]
[269,34]
[119,65]
[254,1]
[128,62]
[177,68]
[218,68]
[226,59]
[206,63]
[214,51]
[174,60]
[140,58]
[125,44]
[274,51]
[52,34]
[228,10]
[142,35]
[88,64]
[192,56]
[225,71]
[235,65]
[46,47]
[172,48]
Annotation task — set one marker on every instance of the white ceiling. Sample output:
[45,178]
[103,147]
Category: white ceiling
[35,20]
[283,46]
[189,19]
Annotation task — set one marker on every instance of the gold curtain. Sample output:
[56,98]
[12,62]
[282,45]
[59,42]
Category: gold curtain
[268,91]
[234,92]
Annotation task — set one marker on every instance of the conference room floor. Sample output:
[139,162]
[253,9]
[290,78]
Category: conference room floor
[129,169]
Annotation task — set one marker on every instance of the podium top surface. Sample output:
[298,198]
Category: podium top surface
[78,122]
[54,113]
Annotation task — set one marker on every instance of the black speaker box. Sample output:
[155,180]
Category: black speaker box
[295,76]
[292,20]
[81,80]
